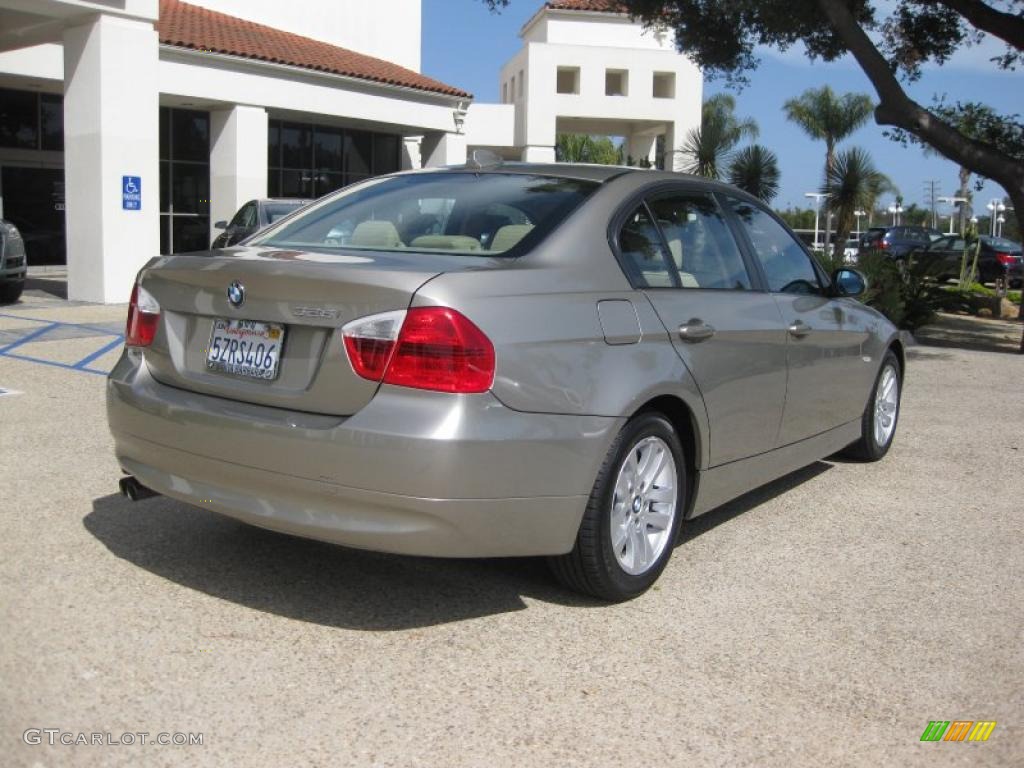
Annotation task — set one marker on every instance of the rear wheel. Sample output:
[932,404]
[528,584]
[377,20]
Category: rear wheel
[11,292]
[878,424]
[633,516]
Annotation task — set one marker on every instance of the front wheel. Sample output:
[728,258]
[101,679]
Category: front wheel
[11,292]
[878,424]
[633,515]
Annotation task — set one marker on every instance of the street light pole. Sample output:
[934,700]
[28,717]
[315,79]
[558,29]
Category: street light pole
[995,207]
[952,201]
[858,213]
[818,197]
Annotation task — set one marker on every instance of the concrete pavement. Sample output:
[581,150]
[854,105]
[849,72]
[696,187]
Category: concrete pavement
[822,620]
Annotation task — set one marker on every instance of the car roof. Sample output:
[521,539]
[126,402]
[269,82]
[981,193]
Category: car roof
[578,171]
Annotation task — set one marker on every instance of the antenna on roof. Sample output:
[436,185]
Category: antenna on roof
[483,158]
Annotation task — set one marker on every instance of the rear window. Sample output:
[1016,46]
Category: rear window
[463,213]
[1002,244]
[277,211]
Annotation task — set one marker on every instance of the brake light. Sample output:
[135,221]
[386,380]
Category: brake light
[883,244]
[433,348]
[1006,259]
[143,318]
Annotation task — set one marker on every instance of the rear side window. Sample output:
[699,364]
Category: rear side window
[643,255]
[787,266]
[476,214]
[703,250]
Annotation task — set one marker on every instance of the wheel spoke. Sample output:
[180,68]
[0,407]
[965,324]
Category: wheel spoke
[641,549]
[619,536]
[659,521]
[661,494]
[655,465]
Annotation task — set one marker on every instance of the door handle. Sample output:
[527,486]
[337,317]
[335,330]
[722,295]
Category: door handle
[799,329]
[695,330]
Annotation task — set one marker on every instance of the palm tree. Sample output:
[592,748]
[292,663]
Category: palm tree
[851,184]
[827,117]
[755,169]
[707,148]
[877,187]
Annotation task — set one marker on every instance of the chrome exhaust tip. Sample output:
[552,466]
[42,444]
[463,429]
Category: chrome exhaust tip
[133,490]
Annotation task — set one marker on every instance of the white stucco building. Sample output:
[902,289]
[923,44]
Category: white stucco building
[128,127]
[585,67]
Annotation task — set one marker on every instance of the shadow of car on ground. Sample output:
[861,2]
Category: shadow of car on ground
[340,587]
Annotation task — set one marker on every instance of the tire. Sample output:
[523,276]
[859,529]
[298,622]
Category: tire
[625,569]
[11,292]
[874,444]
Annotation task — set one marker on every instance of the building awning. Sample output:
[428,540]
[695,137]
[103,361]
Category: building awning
[188,26]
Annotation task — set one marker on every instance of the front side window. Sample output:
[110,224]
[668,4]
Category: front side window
[702,247]
[787,265]
[456,212]
[245,218]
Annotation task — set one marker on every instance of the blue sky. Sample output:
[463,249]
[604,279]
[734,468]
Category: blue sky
[465,45]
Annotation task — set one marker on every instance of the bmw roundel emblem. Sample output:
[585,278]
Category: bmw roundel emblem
[236,293]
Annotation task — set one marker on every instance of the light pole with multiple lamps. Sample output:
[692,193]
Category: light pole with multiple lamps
[858,213]
[818,197]
[895,209]
[996,208]
[953,201]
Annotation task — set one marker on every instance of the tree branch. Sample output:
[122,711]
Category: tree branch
[1008,27]
[897,109]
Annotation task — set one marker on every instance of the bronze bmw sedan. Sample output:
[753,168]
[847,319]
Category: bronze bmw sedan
[553,360]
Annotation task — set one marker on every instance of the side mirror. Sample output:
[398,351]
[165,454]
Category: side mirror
[848,282]
[220,225]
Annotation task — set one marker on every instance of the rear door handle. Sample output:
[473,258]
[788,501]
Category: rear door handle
[799,329]
[695,330]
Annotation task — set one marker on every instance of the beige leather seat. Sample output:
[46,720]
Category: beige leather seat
[376,234]
[675,245]
[446,242]
[509,235]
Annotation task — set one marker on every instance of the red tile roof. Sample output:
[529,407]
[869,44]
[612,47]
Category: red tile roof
[189,26]
[605,6]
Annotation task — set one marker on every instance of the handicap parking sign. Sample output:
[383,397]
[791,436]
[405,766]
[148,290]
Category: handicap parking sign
[131,193]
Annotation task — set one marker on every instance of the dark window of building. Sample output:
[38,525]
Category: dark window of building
[19,119]
[51,122]
[184,180]
[308,161]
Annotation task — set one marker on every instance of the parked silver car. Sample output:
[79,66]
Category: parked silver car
[501,360]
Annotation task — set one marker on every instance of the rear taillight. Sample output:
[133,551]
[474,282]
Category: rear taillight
[883,244]
[143,318]
[432,348]
[1006,259]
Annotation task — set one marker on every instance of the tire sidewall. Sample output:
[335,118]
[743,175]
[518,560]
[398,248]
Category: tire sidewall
[643,426]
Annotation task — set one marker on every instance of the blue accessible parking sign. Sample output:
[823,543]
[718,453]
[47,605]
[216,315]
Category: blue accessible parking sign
[131,193]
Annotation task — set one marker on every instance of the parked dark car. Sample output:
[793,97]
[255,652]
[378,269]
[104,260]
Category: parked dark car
[252,217]
[897,241]
[13,265]
[997,259]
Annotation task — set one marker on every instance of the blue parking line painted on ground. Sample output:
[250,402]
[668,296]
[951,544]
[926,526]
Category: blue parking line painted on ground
[81,364]
[29,337]
[54,363]
[96,328]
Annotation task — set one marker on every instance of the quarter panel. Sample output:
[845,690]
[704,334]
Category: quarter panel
[550,348]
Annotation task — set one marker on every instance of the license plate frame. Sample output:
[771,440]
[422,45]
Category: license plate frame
[246,349]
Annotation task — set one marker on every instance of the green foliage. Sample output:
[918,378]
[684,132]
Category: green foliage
[825,116]
[579,148]
[706,149]
[851,183]
[798,218]
[902,291]
[755,169]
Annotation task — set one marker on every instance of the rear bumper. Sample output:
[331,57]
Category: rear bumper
[413,472]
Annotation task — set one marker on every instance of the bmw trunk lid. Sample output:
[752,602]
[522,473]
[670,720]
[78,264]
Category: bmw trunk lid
[302,297]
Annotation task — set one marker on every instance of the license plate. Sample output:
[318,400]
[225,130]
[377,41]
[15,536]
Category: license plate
[245,348]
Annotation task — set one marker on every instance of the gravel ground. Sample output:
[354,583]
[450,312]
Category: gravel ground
[821,620]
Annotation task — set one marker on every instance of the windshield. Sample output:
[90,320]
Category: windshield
[456,212]
[277,211]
